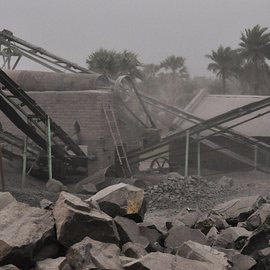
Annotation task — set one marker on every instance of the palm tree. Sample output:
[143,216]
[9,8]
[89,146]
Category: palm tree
[255,49]
[176,64]
[225,64]
[114,63]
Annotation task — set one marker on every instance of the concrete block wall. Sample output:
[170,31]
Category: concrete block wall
[85,107]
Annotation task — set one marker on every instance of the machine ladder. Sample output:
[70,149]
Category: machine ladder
[117,139]
[15,103]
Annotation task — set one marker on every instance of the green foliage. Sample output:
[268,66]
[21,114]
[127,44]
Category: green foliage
[255,50]
[175,64]
[114,64]
[226,64]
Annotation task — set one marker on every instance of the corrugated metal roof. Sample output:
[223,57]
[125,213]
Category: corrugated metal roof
[213,105]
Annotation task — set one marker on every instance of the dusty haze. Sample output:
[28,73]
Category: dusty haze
[152,28]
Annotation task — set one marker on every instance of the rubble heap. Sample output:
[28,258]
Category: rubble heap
[108,231]
[175,191]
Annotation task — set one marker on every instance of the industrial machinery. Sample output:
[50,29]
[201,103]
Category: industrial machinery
[13,100]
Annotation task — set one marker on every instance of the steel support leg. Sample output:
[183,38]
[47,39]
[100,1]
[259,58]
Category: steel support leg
[198,155]
[2,170]
[255,157]
[24,160]
[187,153]
[49,146]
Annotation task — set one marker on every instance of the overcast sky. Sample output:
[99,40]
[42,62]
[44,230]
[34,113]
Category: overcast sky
[154,29]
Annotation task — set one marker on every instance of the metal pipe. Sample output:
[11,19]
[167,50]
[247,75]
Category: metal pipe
[198,155]
[49,145]
[1,169]
[255,157]
[25,145]
[187,152]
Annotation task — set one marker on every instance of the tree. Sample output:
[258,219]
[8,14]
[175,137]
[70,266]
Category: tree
[114,64]
[255,49]
[176,64]
[226,63]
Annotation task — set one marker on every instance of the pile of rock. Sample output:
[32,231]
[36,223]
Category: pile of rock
[175,191]
[107,231]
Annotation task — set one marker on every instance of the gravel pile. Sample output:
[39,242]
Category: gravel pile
[175,191]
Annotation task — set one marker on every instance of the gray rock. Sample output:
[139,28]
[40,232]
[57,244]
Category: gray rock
[258,240]
[207,221]
[82,219]
[133,250]
[5,199]
[225,183]
[129,232]
[46,204]
[212,236]
[51,264]
[121,200]
[178,235]
[151,233]
[195,251]
[124,260]
[258,217]
[233,237]
[88,189]
[9,267]
[243,262]
[263,258]
[55,186]
[239,209]
[162,261]
[23,232]
[187,216]
[91,254]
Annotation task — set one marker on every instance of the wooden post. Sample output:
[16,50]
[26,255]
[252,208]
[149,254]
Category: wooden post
[49,148]
[187,153]
[255,157]
[198,155]
[2,169]
[24,160]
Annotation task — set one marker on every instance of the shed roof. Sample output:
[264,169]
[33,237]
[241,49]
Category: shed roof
[213,105]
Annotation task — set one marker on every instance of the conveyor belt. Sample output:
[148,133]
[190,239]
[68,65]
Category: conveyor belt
[205,125]
[14,102]
[37,54]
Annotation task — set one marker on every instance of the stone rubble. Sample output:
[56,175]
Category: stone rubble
[175,191]
[76,234]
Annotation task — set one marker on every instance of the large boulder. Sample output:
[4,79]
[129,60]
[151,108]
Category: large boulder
[133,250]
[178,235]
[195,251]
[239,209]
[51,264]
[258,217]
[5,199]
[233,237]
[122,200]
[208,220]
[262,256]
[9,267]
[258,240]
[162,261]
[76,219]
[55,186]
[187,216]
[243,262]
[212,236]
[129,232]
[91,254]
[24,232]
